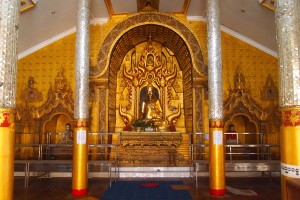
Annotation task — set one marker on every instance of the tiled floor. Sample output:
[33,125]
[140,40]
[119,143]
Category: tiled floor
[60,188]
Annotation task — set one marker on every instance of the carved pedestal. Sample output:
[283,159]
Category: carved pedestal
[150,149]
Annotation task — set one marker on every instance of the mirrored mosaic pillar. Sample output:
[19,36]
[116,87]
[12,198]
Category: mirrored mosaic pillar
[9,20]
[216,145]
[287,18]
[81,112]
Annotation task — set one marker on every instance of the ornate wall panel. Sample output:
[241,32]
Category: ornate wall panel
[164,29]
[181,32]
[198,110]
[150,62]
[43,66]
[255,64]
[103,112]
[44,63]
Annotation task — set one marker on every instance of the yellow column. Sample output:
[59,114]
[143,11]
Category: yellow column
[216,158]
[80,158]
[289,146]
[7,143]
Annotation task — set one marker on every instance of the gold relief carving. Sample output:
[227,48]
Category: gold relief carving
[151,149]
[253,64]
[58,100]
[50,55]
[179,39]
[147,5]
[81,123]
[30,94]
[142,70]
[239,81]
[240,100]
[147,64]
[60,89]
[269,90]
[198,110]
[60,95]
[25,114]
[146,156]
[103,121]
[151,138]
[126,117]
[127,33]
[43,64]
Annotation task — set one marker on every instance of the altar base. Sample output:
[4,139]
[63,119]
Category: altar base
[151,149]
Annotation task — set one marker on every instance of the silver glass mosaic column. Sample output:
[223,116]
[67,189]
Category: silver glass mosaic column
[288,40]
[9,23]
[214,60]
[287,17]
[9,19]
[81,112]
[216,146]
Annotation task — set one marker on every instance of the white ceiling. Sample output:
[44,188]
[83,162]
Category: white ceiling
[49,19]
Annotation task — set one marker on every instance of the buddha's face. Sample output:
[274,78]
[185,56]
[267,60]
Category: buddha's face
[150,92]
[68,128]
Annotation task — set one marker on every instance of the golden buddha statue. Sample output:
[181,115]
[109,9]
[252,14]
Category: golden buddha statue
[151,109]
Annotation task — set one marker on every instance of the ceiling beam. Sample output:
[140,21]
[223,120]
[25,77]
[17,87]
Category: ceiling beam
[185,7]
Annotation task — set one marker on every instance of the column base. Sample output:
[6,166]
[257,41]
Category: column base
[217,192]
[79,192]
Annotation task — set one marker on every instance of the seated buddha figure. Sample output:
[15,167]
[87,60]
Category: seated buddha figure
[67,135]
[151,109]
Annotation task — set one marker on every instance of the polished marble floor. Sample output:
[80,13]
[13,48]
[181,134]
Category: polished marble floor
[60,188]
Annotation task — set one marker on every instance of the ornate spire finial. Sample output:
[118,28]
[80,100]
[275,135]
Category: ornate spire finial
[239,80]
[148,5]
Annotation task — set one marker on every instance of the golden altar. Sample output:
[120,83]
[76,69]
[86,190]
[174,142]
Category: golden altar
[150,148]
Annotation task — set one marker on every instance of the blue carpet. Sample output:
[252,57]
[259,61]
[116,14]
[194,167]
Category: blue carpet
[132,190]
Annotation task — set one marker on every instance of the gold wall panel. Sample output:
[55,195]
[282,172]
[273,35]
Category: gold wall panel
[255,64]
[43,66]
[259,69]
[150,62]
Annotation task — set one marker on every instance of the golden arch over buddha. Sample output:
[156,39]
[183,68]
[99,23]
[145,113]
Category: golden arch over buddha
[150,86]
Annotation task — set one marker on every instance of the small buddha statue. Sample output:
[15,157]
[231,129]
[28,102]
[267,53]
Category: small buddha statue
[67,135]
[150,62]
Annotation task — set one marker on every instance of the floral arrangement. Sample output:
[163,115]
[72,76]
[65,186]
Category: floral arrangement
[140,123]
